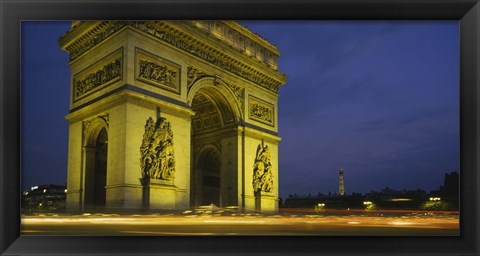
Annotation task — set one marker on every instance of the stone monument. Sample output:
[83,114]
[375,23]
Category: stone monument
[171,115]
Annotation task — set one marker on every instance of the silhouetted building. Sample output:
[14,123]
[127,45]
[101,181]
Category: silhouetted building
[389,198]
[449,192]
[354,201]
[44,198]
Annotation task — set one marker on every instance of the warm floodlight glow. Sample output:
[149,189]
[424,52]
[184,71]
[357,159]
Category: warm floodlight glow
[240,224]
[400,199]
[435,198]
[45,190]
[367,203]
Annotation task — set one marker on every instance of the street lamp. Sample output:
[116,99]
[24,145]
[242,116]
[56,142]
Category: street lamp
[320,207]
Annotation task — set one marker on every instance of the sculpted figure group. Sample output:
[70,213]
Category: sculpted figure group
[158,73]
[103,75]
[262,170]
[157,155]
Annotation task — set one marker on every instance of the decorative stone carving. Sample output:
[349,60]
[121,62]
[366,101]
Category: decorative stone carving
[157,71]
[262,170]
[105,118]
[238,40]
[218,145]
[101,32]
[261,111]
[105,71]
[168,34]
[193,74]
[87,123]
[157,156]
[237,91]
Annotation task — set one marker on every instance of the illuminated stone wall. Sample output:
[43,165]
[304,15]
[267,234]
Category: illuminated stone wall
[215,83]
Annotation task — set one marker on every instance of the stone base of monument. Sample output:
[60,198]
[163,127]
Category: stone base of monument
[265,202]
[159,194]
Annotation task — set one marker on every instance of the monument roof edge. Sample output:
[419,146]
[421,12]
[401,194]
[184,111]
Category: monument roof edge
[77,30]
[246,31]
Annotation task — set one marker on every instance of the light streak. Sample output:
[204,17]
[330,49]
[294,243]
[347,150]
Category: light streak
[157,224]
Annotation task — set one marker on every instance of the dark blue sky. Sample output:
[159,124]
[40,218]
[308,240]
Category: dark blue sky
[380,99]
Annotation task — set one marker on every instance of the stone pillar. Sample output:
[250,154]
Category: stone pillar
[160,194]
[265,202]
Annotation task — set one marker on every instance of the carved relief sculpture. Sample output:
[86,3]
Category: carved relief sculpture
[261,111]
[262,170]
[158,31]
[157,155]
[193,74]
[164,32]
[157,71]
[101,73]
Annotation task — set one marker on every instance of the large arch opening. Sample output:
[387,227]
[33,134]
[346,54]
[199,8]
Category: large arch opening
[213,120]
[208,177]
[96,170]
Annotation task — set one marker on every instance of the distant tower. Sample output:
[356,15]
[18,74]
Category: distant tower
[341,188]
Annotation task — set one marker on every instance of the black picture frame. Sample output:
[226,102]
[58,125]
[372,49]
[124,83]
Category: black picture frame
[13,12]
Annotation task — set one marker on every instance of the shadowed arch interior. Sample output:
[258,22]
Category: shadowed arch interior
[209,164]
[212,111]
[213,116]
[96,170]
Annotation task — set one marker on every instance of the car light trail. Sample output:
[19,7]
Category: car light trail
[156,224]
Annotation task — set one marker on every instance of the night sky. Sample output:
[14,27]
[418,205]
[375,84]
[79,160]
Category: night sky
[380,99]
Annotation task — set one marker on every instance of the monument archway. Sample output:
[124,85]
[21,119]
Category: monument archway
[95,156]
[189,109]
[206,178]
[215,122]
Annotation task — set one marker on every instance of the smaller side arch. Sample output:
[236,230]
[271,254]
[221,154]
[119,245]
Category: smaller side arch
[95,154]
[92,128]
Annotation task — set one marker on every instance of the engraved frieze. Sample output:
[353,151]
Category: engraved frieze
[171,36]
[221,30]
[261,111]
[100,74]
[157,156]
[157,71]
[203,52]
[262,170]
[89,40]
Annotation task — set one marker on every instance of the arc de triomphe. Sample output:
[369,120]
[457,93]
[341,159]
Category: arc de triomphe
[171,115]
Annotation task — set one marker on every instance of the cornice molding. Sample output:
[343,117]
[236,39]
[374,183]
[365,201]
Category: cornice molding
[76,43]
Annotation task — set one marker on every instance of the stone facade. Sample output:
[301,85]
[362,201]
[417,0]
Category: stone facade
[213,83]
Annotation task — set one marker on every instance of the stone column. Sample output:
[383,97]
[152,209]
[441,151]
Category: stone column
[265,202]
